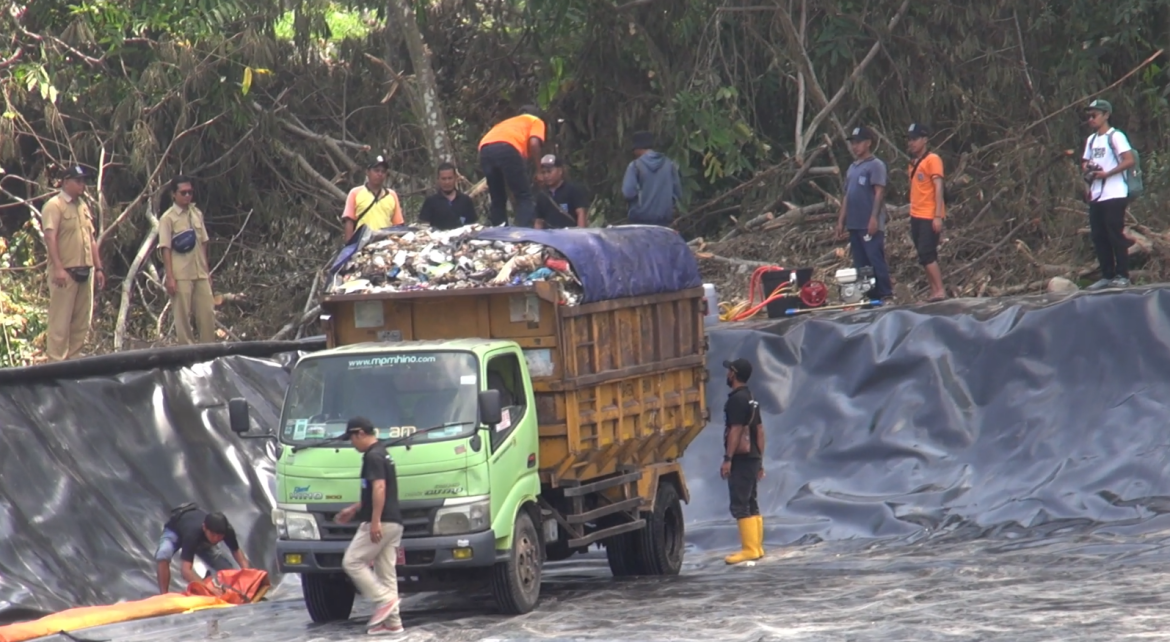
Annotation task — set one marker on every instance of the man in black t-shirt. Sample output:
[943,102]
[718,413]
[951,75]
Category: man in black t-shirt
[448,208]
[192,532]
[380,533]
[743,468]
[561,203]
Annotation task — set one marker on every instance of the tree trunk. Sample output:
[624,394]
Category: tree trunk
[427,105]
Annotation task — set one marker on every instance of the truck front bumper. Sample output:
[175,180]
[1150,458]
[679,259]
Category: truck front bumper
[422,553]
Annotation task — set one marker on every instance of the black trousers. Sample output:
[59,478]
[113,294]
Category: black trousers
[505,170]
[741,484]
[1106,222]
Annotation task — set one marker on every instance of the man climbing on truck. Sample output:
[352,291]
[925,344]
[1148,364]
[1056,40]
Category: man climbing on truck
[380,534]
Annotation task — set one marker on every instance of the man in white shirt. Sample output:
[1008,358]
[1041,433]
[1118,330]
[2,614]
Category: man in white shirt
[1105,161]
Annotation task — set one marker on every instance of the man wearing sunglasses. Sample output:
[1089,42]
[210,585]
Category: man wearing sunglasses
[182,238]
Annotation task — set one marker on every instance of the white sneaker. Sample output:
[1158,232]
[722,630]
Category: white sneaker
[386,630]
[1100,285]
[1119,282]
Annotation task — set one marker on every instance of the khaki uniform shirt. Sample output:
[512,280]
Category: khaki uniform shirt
[190,266]
[72,220]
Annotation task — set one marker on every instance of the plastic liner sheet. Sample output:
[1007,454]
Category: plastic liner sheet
[91,468]
[954,471]
[616,262]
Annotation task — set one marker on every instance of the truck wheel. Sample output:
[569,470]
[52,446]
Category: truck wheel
[662,541]
[516,582]
[621,551]
[328,597]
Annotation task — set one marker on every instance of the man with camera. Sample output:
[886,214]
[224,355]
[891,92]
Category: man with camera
[1105,162]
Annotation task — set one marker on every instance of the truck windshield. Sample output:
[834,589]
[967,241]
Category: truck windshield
[400,393]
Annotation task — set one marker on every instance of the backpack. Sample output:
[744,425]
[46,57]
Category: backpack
[1133,175]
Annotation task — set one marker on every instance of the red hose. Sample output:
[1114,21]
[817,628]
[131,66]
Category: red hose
[757,282]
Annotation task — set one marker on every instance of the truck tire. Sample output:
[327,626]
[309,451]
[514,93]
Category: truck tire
[621,551]
[663,540]
[328,597]
[516,582]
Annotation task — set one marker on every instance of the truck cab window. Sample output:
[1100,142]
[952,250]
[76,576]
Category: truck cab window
[503,374]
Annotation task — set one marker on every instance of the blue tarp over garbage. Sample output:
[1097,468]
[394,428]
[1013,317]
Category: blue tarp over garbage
[616,262]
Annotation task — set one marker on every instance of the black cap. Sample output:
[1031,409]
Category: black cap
[918,131]
[217,523]
[77,171]
[359,424]
[530,110]
[741,367]
[378,161]
[643,140]
[861,133]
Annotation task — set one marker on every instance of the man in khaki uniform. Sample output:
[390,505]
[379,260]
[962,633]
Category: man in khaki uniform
[183,241]
[75,264]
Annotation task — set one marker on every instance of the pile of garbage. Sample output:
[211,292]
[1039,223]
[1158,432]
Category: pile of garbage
[429,259]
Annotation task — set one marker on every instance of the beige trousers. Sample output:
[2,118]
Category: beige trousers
[379,585]
[70,312]
[194,297]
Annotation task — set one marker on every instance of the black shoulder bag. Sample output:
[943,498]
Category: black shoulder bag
[357,222]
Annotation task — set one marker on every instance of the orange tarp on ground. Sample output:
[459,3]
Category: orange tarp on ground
[239,587]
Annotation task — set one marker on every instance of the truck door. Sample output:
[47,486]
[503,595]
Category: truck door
[513,440]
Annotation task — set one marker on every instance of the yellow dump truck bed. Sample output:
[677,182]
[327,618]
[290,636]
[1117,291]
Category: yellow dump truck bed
[619,384]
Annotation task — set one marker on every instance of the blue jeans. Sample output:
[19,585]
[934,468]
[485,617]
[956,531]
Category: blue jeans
[872,253]
[212,557]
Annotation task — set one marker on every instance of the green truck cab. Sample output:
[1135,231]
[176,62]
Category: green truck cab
[523,431]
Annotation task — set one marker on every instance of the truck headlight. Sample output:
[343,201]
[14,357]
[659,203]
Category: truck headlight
[291,524]
[471,517]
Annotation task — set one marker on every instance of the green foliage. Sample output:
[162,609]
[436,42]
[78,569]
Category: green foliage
[23,316]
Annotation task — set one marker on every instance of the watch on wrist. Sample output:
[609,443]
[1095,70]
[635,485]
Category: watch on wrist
[726,458]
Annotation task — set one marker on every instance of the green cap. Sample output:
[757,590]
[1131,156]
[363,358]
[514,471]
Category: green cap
[1100,105]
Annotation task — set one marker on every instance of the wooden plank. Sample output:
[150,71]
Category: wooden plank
[630,302]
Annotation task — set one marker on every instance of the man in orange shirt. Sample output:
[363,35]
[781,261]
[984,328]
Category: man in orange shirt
[502,155]
[927,207]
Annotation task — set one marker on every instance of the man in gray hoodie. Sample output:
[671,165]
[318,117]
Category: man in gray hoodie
[651,186]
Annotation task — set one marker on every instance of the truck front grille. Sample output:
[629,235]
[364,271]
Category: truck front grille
[416,522]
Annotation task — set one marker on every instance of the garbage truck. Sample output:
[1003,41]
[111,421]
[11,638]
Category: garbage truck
[522,430]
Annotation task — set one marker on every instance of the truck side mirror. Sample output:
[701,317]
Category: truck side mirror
[489,407]
[238,415]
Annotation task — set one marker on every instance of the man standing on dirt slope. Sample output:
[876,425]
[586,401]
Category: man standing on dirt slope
[560,203]
[448,208]
[182,237]
[380,534]
[373,205]
[502,155]
[743,460]
[651,185]
[863,211]
[75,265]
[1107,156]
[927,207]
[192,532]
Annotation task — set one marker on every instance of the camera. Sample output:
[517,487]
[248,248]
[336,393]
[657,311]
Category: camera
[1089,169]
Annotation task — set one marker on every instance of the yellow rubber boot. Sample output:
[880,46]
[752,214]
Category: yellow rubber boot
[747,538]
[759,542]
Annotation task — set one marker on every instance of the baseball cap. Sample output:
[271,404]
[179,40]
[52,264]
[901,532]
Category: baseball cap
[861,133]
[551,160]
[357,425]
[379,161]
[77,171]
[1100,105]
[741,367]
[217,523]
[918,131]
